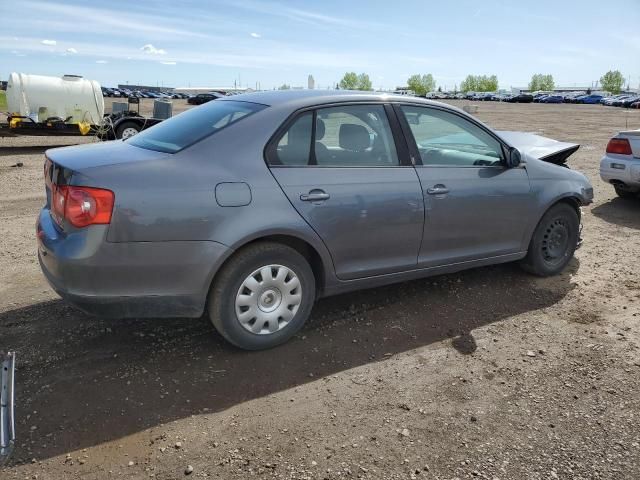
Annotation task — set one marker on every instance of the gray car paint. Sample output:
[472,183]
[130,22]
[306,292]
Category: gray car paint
[170,234]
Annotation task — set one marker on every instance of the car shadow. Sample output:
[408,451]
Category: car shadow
[83,380]
[620,211]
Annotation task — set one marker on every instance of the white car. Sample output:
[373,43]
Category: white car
[621,164]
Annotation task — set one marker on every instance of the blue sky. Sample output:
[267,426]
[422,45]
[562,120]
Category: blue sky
[214,43]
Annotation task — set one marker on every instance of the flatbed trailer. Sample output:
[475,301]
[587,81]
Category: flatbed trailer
[114,126]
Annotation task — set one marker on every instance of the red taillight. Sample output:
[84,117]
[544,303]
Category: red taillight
[82,206]
[620,146]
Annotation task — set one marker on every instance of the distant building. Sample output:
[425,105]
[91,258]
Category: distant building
[311,83]
[196,90]
[145,88]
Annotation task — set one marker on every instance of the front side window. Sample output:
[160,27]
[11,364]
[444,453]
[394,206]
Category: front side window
[446,139]
[191,126]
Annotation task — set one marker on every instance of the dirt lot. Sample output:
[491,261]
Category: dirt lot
[487,374]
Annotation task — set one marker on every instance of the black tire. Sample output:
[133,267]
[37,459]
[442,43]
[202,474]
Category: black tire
[625,193]
[553,242]
[222,298]
[124,126]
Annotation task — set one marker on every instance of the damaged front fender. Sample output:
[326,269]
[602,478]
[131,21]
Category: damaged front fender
[543,148]
[7,403]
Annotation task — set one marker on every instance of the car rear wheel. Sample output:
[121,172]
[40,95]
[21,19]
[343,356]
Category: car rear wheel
[554,241]
[624,193]
[262,296]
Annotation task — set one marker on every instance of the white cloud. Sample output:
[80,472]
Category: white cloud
[151,50]
[101,61]
[168,63]
[51,43]
[275,54]
[72,50]
[255,35]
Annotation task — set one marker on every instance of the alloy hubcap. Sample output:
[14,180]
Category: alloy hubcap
[555,242]
[268,299]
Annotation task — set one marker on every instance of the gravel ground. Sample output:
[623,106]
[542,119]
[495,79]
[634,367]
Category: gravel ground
[488,373]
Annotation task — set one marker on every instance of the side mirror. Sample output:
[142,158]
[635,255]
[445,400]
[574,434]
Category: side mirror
[513,158]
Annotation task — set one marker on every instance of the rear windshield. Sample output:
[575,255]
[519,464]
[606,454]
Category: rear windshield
[191,126]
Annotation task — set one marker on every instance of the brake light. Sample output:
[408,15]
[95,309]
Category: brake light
[82,206]
[620,146]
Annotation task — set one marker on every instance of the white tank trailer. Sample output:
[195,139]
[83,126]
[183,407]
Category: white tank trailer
[71,98]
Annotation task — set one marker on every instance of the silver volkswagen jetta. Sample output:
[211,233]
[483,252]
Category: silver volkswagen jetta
[252,207]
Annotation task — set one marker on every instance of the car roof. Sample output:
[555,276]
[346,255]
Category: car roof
[307,98]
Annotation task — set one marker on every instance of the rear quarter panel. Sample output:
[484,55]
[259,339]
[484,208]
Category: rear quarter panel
[173,198]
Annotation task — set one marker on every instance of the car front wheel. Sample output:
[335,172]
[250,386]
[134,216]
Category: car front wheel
[554,241]
[262,296]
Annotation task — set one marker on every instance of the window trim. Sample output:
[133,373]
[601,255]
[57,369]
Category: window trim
[399,140]
[413,145]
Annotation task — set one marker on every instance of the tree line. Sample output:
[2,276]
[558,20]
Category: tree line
[421,84]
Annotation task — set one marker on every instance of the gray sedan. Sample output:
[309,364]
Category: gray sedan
[253,206]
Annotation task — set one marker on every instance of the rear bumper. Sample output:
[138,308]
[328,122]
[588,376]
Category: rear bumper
[127,279]
[627,173]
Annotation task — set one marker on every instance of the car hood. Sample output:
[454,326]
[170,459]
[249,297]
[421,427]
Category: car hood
[543,148]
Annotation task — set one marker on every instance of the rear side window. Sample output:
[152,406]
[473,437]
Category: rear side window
[191,126]
[354,136]
[294,146]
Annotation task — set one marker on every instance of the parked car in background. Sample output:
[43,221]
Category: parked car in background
[608,101]
[552,99]
[521,98]
[255,205]
[619,102]
[201,98]
[627,102]
[620,165]
[589,99]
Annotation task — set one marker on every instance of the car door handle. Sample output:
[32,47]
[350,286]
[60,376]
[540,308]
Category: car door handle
[437,190]
[314,196]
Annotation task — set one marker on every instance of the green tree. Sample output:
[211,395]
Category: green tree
[541,82]
[349,81]
[421,84]
[612,81]
[469,84]
[479,83]
[364,83]
[488,84]
[284,86]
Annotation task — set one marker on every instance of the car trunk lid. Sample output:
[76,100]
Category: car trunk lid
[79,158]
